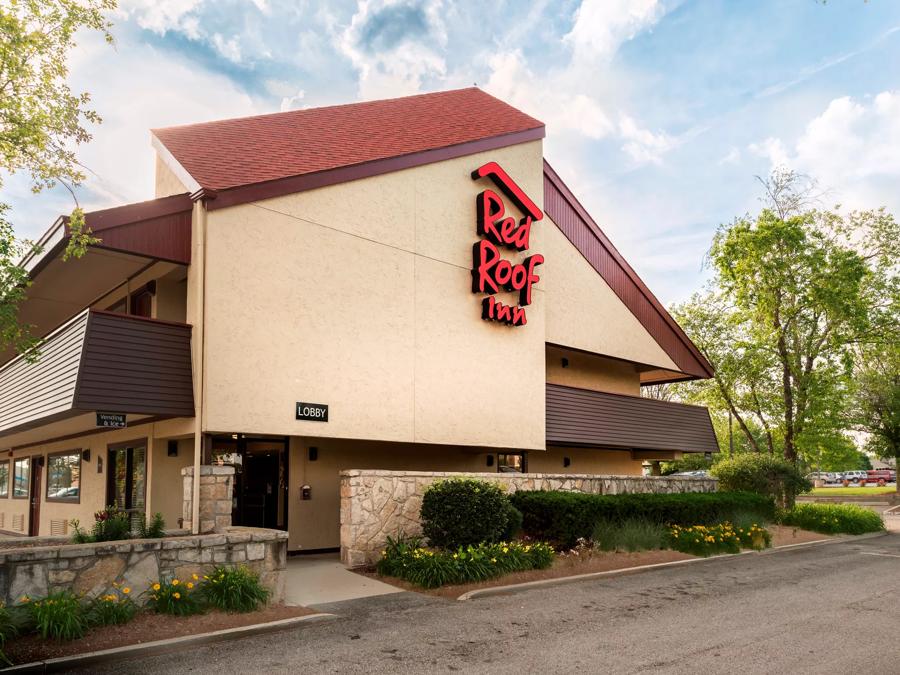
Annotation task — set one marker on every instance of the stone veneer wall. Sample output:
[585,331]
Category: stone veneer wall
[216,487]
[91,569]
[378,504]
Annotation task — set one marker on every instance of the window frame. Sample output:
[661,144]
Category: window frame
[522,454]
[5,493]
[27,494]
[64,500]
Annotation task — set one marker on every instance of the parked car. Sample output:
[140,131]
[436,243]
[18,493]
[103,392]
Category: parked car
[695,474]
[881,476]
[824,476]
[855,476]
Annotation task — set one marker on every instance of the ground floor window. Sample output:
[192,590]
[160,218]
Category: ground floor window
[4,479]
[21,477]
[64,476]
[512,462]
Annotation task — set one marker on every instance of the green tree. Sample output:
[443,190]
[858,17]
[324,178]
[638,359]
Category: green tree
[876,409]
[41,123]
[798,290]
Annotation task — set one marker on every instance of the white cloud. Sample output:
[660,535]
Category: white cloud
[733,156]
[643,145]
[394,46]
[512,81]
[852,149]
[161,16]
[292,102]
[601,26]
[230,48]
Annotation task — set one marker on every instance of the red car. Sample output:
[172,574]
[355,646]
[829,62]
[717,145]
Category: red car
[879,476]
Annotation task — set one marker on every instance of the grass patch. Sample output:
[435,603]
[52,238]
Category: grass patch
[630,535]
[832,518]
[852,491]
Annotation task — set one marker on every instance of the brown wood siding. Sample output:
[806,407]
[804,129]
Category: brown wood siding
[135,365]
[580,229]
[33,392]
[581,417]
[101,361]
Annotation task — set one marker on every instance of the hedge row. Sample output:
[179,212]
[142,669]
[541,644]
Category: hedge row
[564,517]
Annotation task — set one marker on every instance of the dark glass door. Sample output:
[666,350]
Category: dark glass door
[127,477]
[260,479]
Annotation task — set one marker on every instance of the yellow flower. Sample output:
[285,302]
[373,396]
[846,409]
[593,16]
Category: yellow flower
[24,598]
[155,587]
[126,590]
[176,595]
[195,577]
[175,582]
[205,578]
[190,585]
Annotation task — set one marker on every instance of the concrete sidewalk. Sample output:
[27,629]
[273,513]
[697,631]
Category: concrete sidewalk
[320,579]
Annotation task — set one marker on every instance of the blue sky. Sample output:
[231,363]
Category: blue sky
[659,114]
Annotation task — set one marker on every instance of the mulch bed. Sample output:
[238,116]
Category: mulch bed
[783,535]
[596,561]
[563,566]
[146,627]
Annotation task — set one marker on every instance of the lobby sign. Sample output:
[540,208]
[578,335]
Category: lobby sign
[111,420]
[312,412]
[491,272]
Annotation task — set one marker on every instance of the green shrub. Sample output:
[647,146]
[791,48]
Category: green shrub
[234,589]
[460,511]
[156,529]
[112,608]
[110,524]
[174,597]
[722,538]
[763,474]
[564,517]
[630,535]
[429,568]
[513,524]
[8,630]
[832,518]
[59,616]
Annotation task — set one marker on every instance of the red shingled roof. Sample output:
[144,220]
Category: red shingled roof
[245,151]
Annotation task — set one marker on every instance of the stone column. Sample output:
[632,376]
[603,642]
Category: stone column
[216,487]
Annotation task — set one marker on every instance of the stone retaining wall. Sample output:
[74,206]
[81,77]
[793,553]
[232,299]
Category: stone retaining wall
[91,569]
[378,504]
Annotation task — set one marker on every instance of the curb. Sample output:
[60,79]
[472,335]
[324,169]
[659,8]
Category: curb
[115,654]
[543,583]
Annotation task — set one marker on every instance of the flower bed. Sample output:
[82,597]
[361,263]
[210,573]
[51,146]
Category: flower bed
[429,568]
[705,540]
[64,616]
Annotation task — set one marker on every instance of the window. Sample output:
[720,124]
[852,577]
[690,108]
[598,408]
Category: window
[21,477]
[4,479]
[511,463]
[64,476]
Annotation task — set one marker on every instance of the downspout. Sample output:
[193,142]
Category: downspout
[200,216]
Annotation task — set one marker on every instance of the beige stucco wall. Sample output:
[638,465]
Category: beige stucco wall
[587,371]
[93,486]
[585,313]
[166,182]
[165,494]
[315,523]
[585,461]
[357,295]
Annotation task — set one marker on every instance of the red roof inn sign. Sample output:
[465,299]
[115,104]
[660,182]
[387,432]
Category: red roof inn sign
[491,273]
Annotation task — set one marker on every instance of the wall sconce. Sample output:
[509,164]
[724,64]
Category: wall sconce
[172,448]
[565,362]
[99,463]
[490,460]
[86,455]
[567,461]
[313,453]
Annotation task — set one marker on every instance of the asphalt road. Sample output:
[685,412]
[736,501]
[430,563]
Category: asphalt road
[825,609]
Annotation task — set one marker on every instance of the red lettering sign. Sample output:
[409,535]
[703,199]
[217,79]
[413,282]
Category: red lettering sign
[491,272]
